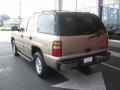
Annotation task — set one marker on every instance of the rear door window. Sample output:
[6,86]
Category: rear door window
[24,23]
[46,24]
[79,24]
[32,25]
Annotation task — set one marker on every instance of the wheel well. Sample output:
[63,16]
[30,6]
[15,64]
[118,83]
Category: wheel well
[35,49]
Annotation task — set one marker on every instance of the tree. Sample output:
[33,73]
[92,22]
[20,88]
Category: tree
[3,18]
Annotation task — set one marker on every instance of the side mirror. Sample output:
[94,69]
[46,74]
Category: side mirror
[14,28]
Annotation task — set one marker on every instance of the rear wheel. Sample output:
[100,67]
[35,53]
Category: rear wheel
[40,65]
[14,49]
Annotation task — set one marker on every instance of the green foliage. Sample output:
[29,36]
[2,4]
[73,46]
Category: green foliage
[3,18]
[5,30]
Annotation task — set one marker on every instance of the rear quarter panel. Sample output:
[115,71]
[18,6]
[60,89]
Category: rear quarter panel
[45,42]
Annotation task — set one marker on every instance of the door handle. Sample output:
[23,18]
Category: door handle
[30,38]
[22,36]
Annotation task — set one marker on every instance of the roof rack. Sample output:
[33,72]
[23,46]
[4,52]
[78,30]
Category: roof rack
[36,13]
[48,11]
[45,12]
[53,11]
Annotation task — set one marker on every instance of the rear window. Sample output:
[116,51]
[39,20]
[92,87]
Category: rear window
[79,24]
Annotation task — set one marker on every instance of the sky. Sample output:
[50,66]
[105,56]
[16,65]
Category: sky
[28,7]
[9,7]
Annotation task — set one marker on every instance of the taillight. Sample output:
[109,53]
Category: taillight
[57,48]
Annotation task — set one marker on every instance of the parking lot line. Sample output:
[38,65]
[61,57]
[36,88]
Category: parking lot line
[79,81]
[116,54]
[113,67]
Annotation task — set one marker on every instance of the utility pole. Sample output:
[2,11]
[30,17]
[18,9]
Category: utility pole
[19,12]
[55,4]
[60,5]
[100,8]
[76,5]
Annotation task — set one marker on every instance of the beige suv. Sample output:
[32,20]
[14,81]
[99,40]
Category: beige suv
[61,40]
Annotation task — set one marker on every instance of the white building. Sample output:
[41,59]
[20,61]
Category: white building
[11,22]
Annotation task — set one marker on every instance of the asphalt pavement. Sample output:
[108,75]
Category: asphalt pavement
[16,73]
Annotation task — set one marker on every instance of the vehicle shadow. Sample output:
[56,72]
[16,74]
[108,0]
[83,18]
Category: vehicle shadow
[54,77]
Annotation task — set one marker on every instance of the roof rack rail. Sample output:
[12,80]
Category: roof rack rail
[45,11]
[36,13]
[53,11]
[50,11]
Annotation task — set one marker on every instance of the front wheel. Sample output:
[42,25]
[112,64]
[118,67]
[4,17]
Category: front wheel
[14,49]
[40,65]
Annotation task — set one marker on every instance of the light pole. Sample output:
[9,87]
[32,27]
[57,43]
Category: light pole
[76,5]
[60,5]
[100,8]
[19,12]
[55,4]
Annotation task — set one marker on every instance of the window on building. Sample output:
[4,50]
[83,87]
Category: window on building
[111,19]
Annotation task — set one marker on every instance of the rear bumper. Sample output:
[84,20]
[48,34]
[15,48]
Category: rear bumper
[76,62]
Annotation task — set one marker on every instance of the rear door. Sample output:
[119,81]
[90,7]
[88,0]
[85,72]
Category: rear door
[29,35]
[18,39]
[81,33]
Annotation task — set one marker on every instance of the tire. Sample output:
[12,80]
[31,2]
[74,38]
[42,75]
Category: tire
[41,68]
[14,49]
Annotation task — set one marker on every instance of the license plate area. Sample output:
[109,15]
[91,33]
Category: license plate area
[88,60]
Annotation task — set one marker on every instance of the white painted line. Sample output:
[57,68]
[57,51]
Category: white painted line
[5,69]
[114,43]
[80,81]
[113,67]
[116,54]
[117,41]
